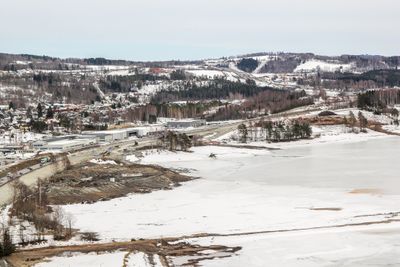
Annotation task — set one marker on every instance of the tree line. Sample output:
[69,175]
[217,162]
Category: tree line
[174,141]
[378,99]
[264,103]
[275,131]
[150,112]
[214,90]
[369,79]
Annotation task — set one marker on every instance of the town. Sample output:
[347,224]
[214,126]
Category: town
[164,153]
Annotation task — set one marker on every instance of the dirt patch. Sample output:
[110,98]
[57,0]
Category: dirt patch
[372,191]
[326,209]
[167,249]
[90,182]
[327,120]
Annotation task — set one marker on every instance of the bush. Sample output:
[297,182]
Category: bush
[6,246]
[90,236]
[327,113]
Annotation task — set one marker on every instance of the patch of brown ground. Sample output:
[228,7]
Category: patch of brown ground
[326,209]
[90,182]
[372,191]
[165,248]
[327,120]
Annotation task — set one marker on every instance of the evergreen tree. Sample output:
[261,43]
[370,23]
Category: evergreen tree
[11,105]
[50,113]
[39,110]
[8,247]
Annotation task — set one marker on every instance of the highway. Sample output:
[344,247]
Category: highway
[215,130]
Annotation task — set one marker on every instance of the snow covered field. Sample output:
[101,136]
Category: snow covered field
[86,260]
[330,205]
[331,134]
[110,259]
[313,65]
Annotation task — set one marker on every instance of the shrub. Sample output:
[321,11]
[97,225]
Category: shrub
[6,246]
[90,236]
[327,113]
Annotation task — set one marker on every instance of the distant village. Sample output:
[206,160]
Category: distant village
[67,127]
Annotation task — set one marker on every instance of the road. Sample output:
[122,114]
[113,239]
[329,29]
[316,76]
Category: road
[214,130]
[45,172]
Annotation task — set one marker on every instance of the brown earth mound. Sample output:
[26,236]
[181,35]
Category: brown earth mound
[91,182]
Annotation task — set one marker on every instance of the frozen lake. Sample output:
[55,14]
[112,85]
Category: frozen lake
[339,194]
[365,164]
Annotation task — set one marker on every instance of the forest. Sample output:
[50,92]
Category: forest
[378,100]
[263,103]
[369,79]
[275,131]
[247,64]
[214,90]
[150,112]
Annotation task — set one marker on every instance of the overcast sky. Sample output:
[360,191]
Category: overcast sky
[195,29]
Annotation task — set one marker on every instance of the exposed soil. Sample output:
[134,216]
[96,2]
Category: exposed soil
[170,248]
[328,120]
[90,182]
[326,209]
[372,191]
[166,249]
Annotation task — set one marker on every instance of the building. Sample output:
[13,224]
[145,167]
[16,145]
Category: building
[108,136]
[121,134]
[185,123]
[65,143]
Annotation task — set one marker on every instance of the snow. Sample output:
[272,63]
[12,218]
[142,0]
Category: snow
[199,154]
[4,215]
[330,134]
[206,73]
[105,67]
[105,259]
[102,162]
[86,260]
[16,226]
[366,246]
[233,190]
[140,259]
[132,158]
[17,137]
[211,74]
[370,116]
[313,64]
[392,128]
[249,190]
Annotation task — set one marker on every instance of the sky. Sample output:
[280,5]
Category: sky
[198,29]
